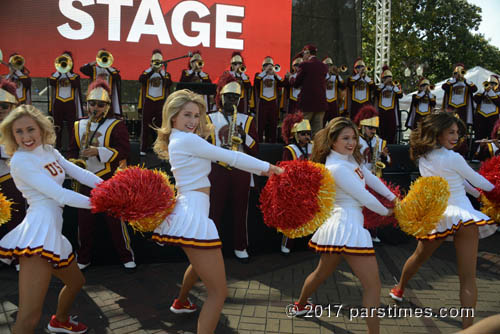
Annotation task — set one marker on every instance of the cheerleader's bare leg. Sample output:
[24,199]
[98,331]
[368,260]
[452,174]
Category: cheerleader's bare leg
[209,265]
[466,244]
[34,279]
[326,266]
[190,279]
[366,269]
[73,280]
[424,250]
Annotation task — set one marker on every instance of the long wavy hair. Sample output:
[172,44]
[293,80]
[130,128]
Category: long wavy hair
[174,104]
[324,139]
[6,132]
[425,137]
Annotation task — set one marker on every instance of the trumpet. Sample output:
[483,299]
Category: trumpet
[396,83]
[63,64]
[241,69]
[343,68]
[200,64]
[277,68]
[485,141]
[17,62]
[104,59]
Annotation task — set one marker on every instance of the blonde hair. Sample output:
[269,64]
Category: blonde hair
[324,139]
[45,123]
[174,104]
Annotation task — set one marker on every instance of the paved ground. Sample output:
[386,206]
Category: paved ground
[119,303]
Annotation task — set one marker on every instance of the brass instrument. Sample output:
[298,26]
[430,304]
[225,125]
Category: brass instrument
[396,83]
[241,69]
[343,68]
[377,165]
[17,62]
[233,139]
[277,68]
[63,64]
[485,141]
[82,161]
[200,64]
[156,64]
[104,59]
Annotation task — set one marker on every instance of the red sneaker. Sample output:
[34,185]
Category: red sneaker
[396,294]
[179,308]
[303,309]
[70,326]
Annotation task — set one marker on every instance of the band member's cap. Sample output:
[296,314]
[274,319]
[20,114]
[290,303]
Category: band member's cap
[268,60]
[236,58]
[359,62]
[424,81]
[232,87]
[303,125]
[458,67]
[386,72]
[310,48]
[99,91]
[292,124]
[328,61]
[196,56]
[367,116]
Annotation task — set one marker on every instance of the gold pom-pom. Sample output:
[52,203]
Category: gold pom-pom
[490,209]
[420,211]
[5,209]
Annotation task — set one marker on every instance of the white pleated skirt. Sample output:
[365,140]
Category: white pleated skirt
[343,233]
[458,213]
[40,233]
[188,225]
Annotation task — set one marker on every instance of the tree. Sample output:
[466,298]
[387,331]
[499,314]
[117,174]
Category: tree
[436,33]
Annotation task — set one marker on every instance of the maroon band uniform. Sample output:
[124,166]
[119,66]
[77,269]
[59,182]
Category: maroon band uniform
[422,104]
[23,83]
[114,80]
[458,97]
[267,99]
[387,104]
[487,111]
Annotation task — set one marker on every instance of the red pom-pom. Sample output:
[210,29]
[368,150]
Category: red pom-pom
[374,220]
[299,200]
[140,196]
[490,169]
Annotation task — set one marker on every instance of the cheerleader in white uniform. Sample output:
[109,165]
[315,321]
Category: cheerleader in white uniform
[38,171]
[432,144]
[188,226]
[343,234]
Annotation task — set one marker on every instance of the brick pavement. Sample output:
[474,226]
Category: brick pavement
[116,303]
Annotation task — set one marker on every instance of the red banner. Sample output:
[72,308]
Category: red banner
[130,29]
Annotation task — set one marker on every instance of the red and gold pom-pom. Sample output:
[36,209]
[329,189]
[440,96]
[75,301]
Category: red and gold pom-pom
[5,209]
[143,197]
[490,169]
[299,200]
[374,220]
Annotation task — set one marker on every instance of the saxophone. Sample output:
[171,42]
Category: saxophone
[233,139]
[82,161]
[377,165]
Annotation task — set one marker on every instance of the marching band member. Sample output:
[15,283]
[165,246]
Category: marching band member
[343,234]
[334,84]
[373,148]
[422,104]
[458,93]
[488,149]
[266,86]
[231,187]
[8,101]
[289,100]
[38,171]
[195,73]
[65,104]
[20,75]
[180,141]
[311,80]
[102,142]
[296,133]
[238,70]
[487,108]
[432,144]
[387,95]
[359,88]
[155,87]
[101,68]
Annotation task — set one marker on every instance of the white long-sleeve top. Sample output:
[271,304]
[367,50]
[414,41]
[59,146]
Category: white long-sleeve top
[191,157]
[39,175]
[350,179]
[453,168]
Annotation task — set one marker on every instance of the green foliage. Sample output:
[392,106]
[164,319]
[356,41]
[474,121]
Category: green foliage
[435,33]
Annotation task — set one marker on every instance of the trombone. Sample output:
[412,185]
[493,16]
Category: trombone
[63,64]
[104,59]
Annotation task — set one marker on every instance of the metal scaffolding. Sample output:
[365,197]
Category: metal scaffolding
[382,36]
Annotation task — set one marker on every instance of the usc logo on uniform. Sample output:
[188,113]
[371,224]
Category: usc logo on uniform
[53,168]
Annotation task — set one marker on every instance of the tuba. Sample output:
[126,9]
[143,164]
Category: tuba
[104,59]
[377,165]
[63,64]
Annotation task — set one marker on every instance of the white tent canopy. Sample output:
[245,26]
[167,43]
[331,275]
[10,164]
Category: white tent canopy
[476,74]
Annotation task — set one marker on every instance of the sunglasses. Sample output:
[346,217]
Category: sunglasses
[4,105]
[305,133]
[98,104]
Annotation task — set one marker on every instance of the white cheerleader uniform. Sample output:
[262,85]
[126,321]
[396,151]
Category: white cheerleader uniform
[343,232]
[191,157]
[459,212]
[39,175]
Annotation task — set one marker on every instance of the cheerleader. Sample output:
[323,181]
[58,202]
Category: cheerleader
[432,144]
[188,226]
[343,234]
[38,171]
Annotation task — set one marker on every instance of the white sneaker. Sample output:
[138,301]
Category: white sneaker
[285,250]
[83,266]
[241,254]
[130,265]
[376,239]
[142,154]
